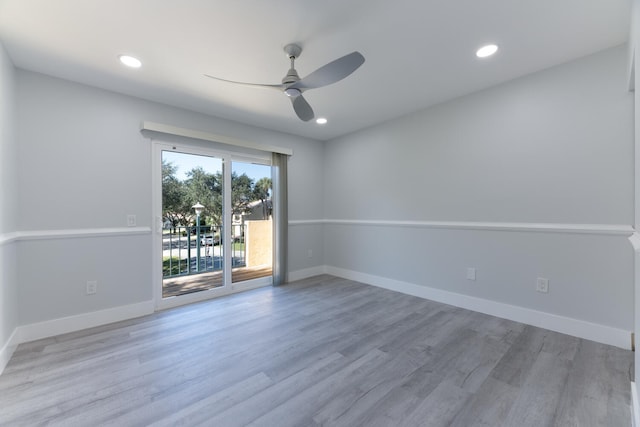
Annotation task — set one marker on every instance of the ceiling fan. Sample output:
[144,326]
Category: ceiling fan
[293,86]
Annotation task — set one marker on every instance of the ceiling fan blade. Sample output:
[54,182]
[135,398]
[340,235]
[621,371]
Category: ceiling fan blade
[277,87]
[332,72]
[302,108]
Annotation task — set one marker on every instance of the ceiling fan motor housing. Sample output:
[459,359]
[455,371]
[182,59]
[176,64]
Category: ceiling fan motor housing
[291,77]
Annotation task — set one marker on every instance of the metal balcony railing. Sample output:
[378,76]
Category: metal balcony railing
[195,250]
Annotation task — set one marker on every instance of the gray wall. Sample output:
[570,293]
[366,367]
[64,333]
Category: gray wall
[553,147]
[84,165]
[634,81]
[8,202]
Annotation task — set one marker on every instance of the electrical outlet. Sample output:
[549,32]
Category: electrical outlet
[131,220]
[309,253]
[542,285]
[92,287]
[471,273]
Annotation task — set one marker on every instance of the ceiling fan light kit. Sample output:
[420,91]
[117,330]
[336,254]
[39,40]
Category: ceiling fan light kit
[292,92]
[293,86]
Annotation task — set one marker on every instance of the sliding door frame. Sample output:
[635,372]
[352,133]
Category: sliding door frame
[158,146]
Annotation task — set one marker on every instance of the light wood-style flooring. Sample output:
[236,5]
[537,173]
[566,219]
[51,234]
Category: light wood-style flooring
[322,351]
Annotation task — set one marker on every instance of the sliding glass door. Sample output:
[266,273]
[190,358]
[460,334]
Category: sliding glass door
[192,215]
[214,223]
[251,221]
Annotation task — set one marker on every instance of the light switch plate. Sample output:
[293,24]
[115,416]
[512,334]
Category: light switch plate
[92,287]
[542,285]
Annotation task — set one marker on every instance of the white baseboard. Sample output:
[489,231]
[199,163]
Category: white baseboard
[7,350]
[566,325]
[635,409]
[579,328]
[306,273]
[50,328]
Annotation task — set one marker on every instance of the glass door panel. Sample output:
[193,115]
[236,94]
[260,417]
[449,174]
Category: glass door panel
[251,221]
[192,215]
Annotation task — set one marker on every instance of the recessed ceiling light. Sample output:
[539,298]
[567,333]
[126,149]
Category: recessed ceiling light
[130,61]
[321,121]
[487,50]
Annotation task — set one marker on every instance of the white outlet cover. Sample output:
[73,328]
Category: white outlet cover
[131,220]
[471,273]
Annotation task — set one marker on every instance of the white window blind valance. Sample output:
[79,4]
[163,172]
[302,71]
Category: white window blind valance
[212,137]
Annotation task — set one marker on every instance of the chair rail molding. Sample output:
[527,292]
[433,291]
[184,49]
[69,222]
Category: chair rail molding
[76,233]
[7,238]
[607,229]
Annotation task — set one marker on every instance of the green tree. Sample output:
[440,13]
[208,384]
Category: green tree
[242,192]
[261,191]
[206,188]
[172,196]
[178,197]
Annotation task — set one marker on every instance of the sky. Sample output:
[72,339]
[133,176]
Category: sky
[186,162]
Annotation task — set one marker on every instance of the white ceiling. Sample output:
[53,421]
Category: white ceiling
[418,52]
